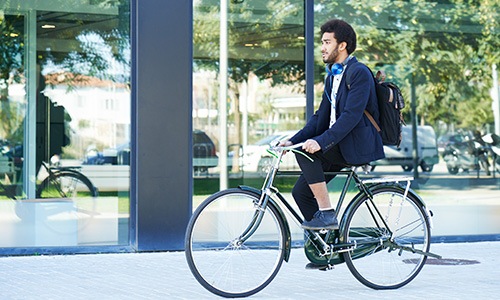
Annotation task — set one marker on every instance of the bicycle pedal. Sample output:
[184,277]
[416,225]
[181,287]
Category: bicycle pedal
[327,268]
[345,250]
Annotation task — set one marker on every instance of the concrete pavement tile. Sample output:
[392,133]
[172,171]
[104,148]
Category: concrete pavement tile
[166,276]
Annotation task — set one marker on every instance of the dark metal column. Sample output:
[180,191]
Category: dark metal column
[161,189]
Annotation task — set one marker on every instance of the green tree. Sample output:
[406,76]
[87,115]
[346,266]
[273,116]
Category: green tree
[11,71]
[447,46]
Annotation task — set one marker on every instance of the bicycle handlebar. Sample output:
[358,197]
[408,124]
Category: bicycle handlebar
[278,150]
[286,148]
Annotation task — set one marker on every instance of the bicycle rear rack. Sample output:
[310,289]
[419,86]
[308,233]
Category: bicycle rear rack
[397,179]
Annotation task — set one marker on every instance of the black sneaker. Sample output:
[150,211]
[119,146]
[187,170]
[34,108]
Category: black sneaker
[322,219]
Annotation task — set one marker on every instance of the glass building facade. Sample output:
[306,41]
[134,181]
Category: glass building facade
[110,110]
[65,134]
[443,55]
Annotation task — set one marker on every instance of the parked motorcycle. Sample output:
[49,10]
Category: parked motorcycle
[493,141]
[467,154]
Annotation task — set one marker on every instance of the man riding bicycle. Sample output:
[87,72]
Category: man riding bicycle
[338,134]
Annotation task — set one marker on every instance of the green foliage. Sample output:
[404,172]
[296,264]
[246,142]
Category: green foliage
[447,46]
[94,54]
[268,36]
[11,70]
[11,47]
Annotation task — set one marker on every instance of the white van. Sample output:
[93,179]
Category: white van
[427,150]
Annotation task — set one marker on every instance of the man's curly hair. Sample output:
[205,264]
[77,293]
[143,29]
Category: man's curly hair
[342,31]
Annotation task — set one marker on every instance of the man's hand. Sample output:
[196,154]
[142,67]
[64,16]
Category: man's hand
[311,146]
[284,144]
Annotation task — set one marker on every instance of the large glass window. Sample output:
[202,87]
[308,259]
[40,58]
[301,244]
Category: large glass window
[443,54]
[266,86]
[65,134]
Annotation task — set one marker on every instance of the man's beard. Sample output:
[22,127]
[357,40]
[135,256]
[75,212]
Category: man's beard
[332,58]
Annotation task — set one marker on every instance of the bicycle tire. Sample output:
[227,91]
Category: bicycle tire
[219,265]
[66,184]
[375,261]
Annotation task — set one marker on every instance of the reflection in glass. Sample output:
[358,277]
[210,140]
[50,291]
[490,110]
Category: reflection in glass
[444,56]
[266,75]
[81,122]
[13,103]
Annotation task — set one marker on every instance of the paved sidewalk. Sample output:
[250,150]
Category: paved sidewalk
[167,276]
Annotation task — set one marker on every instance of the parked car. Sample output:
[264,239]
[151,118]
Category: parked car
[255,157]
[427,150]
[109,156]
[204,154]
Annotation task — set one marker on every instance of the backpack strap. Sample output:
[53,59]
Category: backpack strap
[372,120]
[367,114]
[348,73]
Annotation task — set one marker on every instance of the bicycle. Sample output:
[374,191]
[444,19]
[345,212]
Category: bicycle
[60,182]
[237,239]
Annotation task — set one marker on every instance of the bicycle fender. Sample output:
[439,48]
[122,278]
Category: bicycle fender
[272,202]
[376,187]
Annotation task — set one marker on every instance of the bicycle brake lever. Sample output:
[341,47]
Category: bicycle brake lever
[302,153]
[293,148]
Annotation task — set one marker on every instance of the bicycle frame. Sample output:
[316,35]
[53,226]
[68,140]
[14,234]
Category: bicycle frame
[264,199]
[383,236]
[365,188]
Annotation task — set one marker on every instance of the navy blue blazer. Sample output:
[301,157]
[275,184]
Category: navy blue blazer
[357,138]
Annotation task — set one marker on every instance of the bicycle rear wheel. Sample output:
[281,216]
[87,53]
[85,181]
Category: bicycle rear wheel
[214,255]
[381,260]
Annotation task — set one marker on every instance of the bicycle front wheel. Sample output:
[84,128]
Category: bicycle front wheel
[65,184]
[215,254]
[390,234]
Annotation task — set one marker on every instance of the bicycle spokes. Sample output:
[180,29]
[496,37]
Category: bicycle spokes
[226,252]
[387,230]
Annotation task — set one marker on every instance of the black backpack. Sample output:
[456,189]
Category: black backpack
[390,104]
